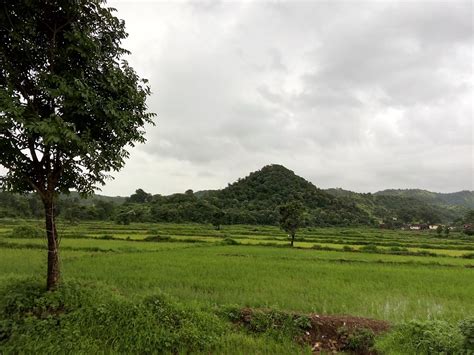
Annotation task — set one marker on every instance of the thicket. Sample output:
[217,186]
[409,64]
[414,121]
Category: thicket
[429,337]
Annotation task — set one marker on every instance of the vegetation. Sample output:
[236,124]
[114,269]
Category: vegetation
[252,200]
[425,337]
[69,103]
[113,271]
[291,218]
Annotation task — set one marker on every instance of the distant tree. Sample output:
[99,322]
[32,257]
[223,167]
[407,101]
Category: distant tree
[218,218]
[69,104]
[140,196]
[469,217]
[104,209]
[439,229]
[124,217]
[446,231]
[291,218]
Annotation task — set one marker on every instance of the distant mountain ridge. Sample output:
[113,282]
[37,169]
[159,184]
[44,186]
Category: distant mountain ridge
[254,199]
[463,198]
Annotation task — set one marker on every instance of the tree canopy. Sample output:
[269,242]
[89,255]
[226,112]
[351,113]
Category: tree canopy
[291,218]
[70,103]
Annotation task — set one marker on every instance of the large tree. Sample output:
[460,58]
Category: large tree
[69,104]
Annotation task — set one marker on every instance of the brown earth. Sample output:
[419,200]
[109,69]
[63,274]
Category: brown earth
[331,333]
[326,333]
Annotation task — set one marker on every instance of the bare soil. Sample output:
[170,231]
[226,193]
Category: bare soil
[328,333]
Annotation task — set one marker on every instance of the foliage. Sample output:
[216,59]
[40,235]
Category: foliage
[359,340]
[69,104]
[291,218]
[27,231]
[272,323]
[418,337]
[89,318]
[252,200]
[466,327]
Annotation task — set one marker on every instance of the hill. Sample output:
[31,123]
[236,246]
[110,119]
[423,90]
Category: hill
[254,199]
[261,192]
[461,198]
[404,208]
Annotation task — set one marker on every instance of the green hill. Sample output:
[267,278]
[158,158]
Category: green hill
[255,200]
[461,198]
[260,194]
[389,206]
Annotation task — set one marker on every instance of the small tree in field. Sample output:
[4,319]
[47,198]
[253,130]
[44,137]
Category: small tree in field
[439,230]
[69,104]
[446,231]
[218,218]
[291,218]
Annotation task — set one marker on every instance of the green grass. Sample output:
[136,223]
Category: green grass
[196,268]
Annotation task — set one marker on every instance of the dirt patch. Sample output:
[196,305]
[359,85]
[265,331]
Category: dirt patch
[337,333]
[324,333]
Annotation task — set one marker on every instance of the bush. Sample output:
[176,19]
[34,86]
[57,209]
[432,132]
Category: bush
[157,238]
[371,248]
[84,318]
[27,231]
[417,337]
[275,324]
[467,330]
[360,340]
[229,241]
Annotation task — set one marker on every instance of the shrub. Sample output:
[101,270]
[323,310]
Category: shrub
[359,340]
[417,337]
[106,237]
[85,318]
[371,248]
[275,324]
[229,241]
[157,238]
[467,330]
[27,231]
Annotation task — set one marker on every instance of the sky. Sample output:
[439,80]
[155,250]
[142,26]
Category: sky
[362,95]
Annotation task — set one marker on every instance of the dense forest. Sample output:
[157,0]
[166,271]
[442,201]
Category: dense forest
[255,200]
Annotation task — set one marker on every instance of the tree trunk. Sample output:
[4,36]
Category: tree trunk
[53,245]
[292,238]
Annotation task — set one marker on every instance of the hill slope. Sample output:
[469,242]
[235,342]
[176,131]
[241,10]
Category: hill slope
[404,208]
[461,198]
[260,194]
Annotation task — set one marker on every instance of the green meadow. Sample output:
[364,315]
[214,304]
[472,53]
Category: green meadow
[395,276]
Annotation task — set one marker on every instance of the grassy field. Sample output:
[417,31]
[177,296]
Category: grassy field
[372,273]
[192,264]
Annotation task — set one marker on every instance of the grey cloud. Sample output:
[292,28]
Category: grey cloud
[360,95]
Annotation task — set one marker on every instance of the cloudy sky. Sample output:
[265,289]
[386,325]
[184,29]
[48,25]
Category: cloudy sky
[356,94]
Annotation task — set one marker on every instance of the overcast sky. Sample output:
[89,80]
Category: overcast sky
[356,94]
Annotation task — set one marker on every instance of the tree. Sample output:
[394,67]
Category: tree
[69,104]
[291,218]
[439,229]
[140,196]
[218,218]
[446,231]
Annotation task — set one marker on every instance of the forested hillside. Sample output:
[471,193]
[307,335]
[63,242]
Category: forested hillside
[461,198]
[396,210]
[255,200]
